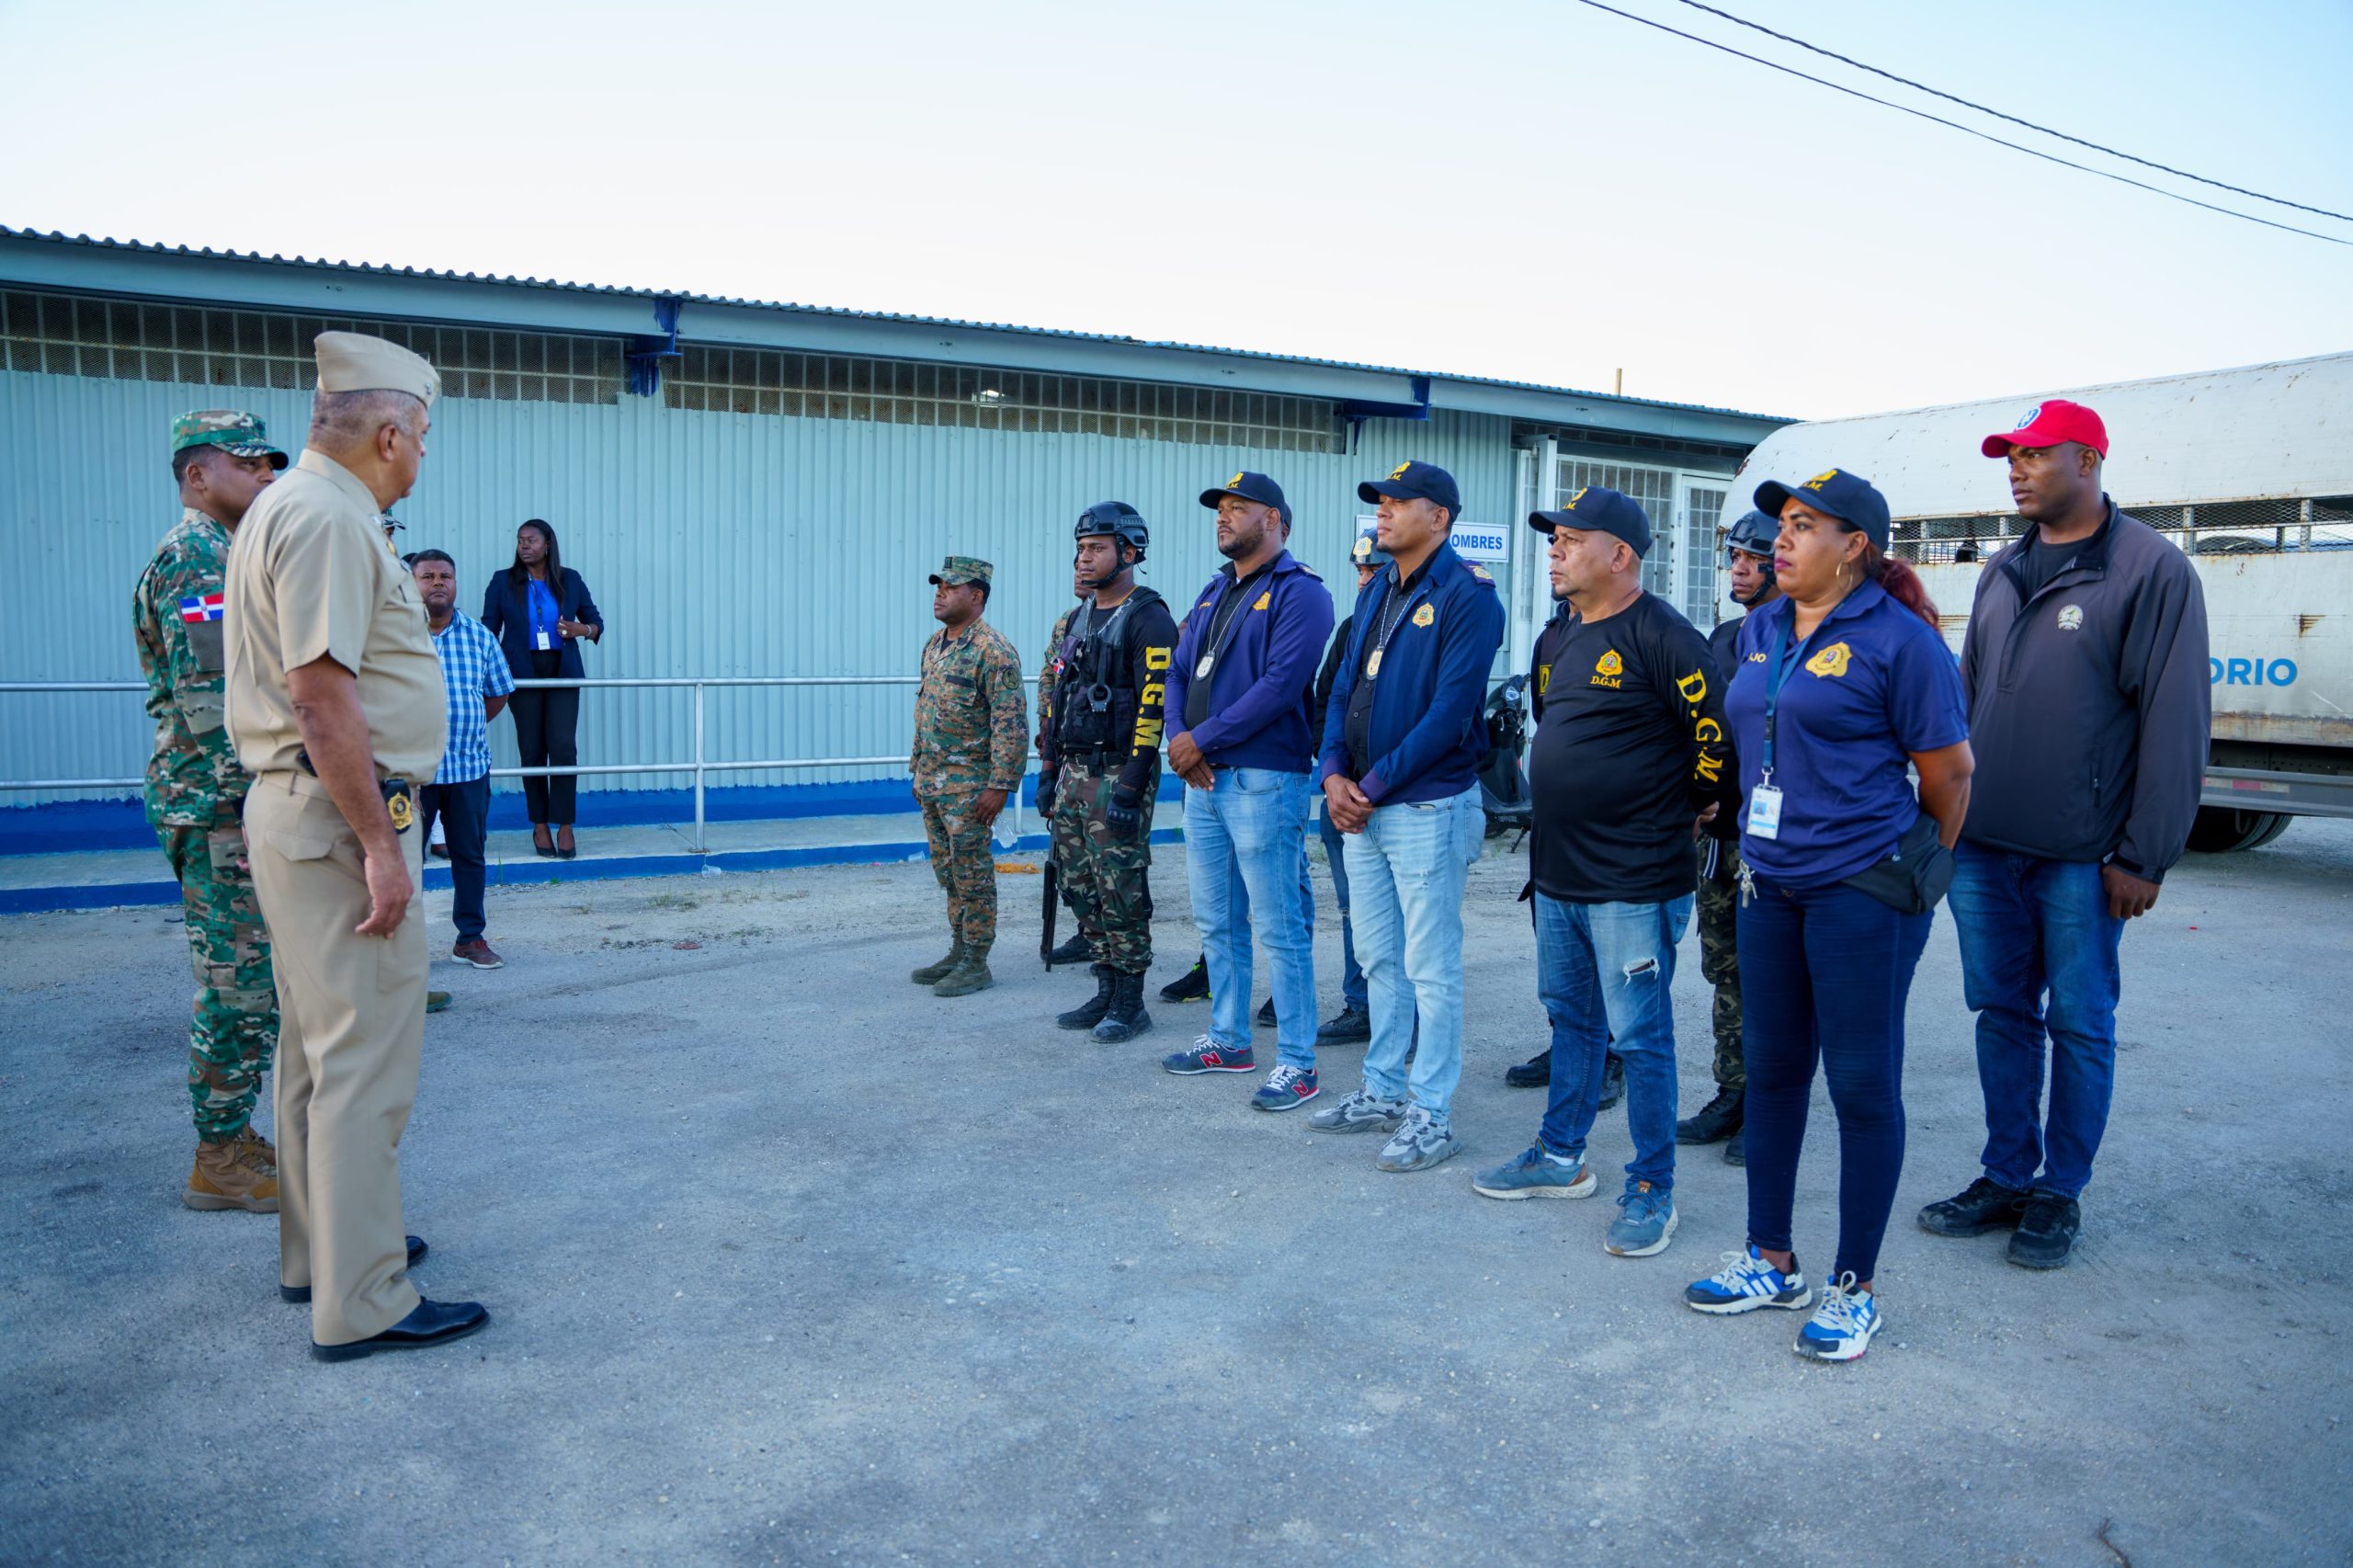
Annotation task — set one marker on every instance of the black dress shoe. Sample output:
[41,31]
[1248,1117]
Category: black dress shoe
[1353,1024]
[1736,1148]
[2047,1231]
[1715,1121]
[546,850]
[1983,1205]
[1613,1080]
[1532,1073]
[416,1250]
[430,1323]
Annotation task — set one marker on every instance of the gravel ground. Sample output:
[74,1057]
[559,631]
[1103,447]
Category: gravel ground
[791,1262]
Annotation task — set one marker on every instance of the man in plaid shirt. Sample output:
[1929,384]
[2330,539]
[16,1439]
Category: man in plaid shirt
[474,668]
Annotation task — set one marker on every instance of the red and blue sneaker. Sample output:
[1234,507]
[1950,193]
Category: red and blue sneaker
[1208,1056]
[1286,1086]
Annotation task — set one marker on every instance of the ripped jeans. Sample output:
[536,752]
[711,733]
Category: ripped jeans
[1605,972]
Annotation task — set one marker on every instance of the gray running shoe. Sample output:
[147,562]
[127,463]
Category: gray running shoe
[1360,1112]
[1420,1143]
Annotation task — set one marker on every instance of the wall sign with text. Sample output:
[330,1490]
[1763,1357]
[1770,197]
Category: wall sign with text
[1472,541]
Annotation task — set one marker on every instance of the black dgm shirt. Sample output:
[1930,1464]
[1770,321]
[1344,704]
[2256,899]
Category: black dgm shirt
[1629,747]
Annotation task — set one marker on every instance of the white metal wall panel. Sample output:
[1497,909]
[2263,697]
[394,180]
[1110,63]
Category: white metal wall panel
[716,544]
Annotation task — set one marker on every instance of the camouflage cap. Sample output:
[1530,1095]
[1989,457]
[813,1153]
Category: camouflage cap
[959,569]
[236,432]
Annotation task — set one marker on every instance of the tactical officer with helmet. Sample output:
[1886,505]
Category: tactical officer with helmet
[1100,763]
[1748,547]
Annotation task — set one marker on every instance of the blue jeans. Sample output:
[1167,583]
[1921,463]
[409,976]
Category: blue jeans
[464,811]
[1352,992]
[1406,873]
[2031,928]
[1605,972]
[1252,830]
[1825,974]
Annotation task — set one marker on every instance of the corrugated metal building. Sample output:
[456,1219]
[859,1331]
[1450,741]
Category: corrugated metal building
[749,489]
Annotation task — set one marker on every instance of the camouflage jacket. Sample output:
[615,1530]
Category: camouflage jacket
[1050,670]
[971,720]
[176,613]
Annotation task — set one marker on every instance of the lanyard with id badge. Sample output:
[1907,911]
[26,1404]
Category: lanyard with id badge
[543,631]
[1765,801]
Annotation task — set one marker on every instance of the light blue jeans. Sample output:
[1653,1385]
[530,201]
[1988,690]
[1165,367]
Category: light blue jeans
[1606,972]
[1406,873]
[1253,828]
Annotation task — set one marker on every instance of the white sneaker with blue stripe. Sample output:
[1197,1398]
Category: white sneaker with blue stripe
[1842,1326]
[1746,1282]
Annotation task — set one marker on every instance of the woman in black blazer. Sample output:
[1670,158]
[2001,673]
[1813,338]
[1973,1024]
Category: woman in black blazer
[540,612]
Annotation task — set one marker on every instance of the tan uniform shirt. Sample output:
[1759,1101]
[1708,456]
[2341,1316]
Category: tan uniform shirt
[312,578]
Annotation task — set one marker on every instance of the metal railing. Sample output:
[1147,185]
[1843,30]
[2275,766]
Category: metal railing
[698,766]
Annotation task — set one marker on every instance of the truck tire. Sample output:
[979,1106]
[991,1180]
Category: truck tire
[2220,830]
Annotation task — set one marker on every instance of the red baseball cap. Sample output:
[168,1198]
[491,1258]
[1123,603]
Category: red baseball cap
[2047,425]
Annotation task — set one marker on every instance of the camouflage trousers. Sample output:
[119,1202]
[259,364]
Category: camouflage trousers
[1105,879]
[235,1031]
[1719,911]
[965,863]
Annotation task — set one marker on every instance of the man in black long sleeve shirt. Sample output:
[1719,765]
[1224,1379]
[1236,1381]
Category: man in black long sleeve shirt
[1101,768]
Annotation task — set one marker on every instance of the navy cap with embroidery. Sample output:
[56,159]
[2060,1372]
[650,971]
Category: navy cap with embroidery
[1597,508]
[1850,497]
[1417,482]
[1250,487]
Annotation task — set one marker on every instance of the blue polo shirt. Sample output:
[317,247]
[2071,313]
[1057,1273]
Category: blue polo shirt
[1874,684]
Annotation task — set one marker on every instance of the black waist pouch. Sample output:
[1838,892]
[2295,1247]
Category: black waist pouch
[1912,878]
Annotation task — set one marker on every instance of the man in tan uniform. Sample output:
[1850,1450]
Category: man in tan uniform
[336,706]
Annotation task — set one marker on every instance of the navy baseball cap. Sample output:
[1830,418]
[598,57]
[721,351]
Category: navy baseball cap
[1417,482]
[1850,497]
[1250,487]
[1599,510]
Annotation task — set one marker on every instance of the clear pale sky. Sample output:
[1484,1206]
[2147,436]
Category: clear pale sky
[1534,190]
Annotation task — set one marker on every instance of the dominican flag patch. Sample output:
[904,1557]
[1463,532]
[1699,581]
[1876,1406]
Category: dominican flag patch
[202,607]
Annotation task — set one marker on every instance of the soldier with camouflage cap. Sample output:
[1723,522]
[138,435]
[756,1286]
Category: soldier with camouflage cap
[971,743]
[222,459]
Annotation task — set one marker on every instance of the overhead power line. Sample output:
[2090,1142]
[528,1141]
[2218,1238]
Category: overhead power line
[2014,120]
[1965,130]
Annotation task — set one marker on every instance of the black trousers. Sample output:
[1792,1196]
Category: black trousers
[547,731]
[464,811]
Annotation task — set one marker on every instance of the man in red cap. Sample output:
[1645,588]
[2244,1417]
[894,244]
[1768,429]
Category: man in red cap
[2085,667]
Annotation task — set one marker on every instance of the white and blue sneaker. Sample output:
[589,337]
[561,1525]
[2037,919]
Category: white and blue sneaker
[1537,1172]
[1842,1326]
[1747,1281]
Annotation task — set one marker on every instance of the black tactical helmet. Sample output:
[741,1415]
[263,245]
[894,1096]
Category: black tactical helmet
[1114,518]
[1754,533]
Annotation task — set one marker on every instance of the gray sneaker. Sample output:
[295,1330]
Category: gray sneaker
[1420,1143]
[1360,1112]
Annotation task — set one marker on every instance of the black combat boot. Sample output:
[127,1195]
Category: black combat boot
[1613,1080]
[1125,1018]
[1532,1073]
[1089,1013]
[1715,1121]
[1193,985]
[1076,951]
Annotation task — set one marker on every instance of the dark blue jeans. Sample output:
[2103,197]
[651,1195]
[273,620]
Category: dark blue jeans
[1352,991]
[464,811]
[1825,974]
[2031,928]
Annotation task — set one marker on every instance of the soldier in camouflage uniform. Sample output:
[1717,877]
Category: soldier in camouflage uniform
[971,744]
[195,797]
[1073,948]
[1100,772]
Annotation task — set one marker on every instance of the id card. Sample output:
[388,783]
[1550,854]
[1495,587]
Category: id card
[544,642]
[1765,811]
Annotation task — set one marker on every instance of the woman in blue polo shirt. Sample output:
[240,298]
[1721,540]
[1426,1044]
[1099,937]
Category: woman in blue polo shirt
[1842,686]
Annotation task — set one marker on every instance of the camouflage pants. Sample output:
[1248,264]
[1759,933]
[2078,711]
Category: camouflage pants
[1106,880]
[1719,902]
[235,1026]
[965,863]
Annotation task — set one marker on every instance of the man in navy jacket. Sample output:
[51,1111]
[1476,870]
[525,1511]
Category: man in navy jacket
[1401,749]
[1239,700]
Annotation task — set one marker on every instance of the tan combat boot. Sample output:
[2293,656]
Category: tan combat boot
[232,1176]
[260,1145]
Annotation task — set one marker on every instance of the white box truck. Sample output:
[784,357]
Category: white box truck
[2249,471]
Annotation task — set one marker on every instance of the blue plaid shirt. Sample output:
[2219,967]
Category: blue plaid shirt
[473,666]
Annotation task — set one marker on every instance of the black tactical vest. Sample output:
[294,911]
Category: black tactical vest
[1096,702]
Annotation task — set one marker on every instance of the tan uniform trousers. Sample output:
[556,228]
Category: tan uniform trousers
[351,1026]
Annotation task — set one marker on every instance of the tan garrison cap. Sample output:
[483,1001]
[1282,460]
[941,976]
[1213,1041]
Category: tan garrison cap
[352,361]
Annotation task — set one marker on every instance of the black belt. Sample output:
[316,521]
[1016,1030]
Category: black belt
[400,795]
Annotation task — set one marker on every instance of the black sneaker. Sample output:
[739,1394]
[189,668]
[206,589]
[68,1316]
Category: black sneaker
[1715,1121]
[1267,1012]
[1613,1080]
[1983,1205]
[1193,985]
[2046,1231]
[1532,1073]
[1353,1024]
